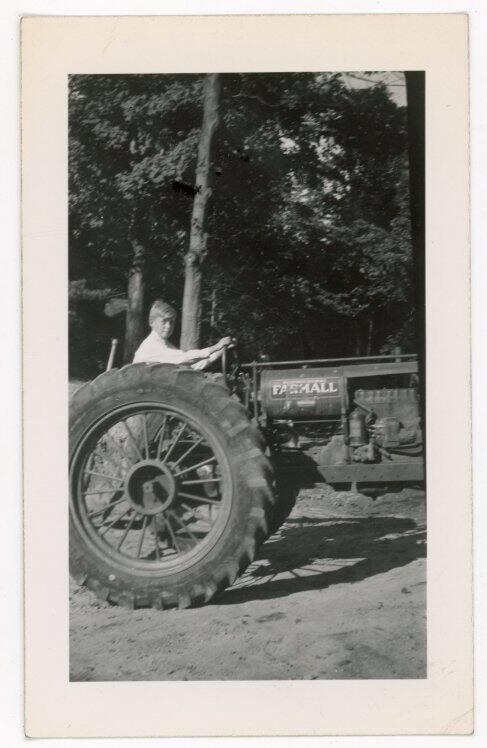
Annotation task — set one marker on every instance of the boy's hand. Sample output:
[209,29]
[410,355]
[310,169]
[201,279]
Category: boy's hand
[224,342]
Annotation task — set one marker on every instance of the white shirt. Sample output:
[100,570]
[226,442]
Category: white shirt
[156,350]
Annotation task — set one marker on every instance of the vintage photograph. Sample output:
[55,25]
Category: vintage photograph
[247,481]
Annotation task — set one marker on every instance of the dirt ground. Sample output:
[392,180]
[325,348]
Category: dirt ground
[338,593]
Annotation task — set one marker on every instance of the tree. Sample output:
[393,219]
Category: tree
[193,261]
[313,243]
[130,137]
[415,87]
[134,323]
[310,249]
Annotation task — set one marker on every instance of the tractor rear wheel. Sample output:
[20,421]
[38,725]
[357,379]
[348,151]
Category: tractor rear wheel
[170,492]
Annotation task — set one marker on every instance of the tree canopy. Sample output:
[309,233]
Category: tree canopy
[309,246]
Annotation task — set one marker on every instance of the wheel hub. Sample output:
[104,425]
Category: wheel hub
[150,487]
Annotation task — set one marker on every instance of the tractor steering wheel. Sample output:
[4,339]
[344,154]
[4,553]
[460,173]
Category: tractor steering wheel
[230,363]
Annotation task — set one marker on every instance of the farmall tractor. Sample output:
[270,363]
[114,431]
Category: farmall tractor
[177,476]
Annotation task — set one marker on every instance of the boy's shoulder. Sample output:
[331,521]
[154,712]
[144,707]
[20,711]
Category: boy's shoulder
[147,344]
[153,342]
[147,340]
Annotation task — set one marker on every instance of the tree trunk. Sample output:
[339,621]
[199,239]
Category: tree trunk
[415,88]
[134,322]
[193,262]
[213,332]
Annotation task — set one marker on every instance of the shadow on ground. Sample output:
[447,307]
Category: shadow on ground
[310,553]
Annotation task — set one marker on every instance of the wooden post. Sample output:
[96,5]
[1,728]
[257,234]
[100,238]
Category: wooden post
[111,357]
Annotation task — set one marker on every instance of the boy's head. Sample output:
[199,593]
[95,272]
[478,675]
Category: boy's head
[161,318]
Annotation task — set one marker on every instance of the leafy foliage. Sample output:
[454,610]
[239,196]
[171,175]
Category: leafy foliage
[309,240]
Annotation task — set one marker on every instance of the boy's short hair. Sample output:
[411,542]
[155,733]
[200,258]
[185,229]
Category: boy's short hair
[160,309]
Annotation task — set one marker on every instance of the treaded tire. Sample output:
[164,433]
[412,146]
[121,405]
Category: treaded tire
[251,500]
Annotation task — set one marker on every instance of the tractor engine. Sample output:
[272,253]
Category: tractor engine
[359,421]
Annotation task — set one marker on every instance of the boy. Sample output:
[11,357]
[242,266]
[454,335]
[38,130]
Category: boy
[157,348]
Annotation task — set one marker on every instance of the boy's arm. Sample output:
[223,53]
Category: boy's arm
[200,365]
[206,353]
[196,355]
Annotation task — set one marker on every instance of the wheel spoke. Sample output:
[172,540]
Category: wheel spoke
[95,493]
[184,527]
[183,456]
[161,436]
[203,499]
[132,439]
[194,467]
[118,448]
[177,438]
[102,475]
[107,508]
[90,462]
[114,521]
[108,457]
[142,533]
[188,509]
[171,533]
[121,457]
[200,480]
[146,438]
[127,530]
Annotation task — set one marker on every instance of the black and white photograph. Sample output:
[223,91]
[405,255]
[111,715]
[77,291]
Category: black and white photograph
[247,400]
[246,376]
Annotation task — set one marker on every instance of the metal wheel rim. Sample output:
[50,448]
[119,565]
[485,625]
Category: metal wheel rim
[175,561]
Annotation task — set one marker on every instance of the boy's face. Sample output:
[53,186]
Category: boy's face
[163,326]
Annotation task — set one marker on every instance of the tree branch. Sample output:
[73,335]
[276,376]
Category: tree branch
[360,78]
[254,96]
